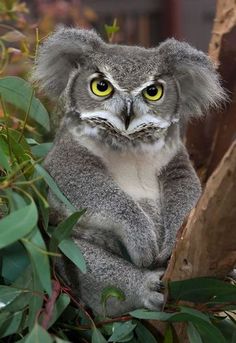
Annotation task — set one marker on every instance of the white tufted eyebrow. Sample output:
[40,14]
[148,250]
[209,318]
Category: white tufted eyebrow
[110,78]
[114,83]
[150,82]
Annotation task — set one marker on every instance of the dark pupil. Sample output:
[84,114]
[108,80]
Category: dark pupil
[102,86]
[152,90]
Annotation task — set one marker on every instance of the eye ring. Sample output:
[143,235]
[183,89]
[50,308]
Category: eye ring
[154,92]
[101,87]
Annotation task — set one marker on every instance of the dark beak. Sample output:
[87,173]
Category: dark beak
[127,113]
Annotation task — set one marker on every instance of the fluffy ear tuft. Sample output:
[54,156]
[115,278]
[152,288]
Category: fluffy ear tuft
[61,53]
[196,77]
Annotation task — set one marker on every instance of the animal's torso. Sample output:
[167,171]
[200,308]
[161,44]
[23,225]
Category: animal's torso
[135,172]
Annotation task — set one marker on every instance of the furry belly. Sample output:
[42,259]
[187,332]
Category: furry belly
[135,178]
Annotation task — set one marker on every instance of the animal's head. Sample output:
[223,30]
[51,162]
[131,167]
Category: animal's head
[126,94]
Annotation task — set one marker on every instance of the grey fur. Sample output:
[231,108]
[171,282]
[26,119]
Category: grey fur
[120,223]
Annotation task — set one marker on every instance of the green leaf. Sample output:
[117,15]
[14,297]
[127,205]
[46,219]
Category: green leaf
[8,294]
[97,337]
[227,328]
[203,325]
[209,332]
[15,200]
[143,334]
[18,224]
[23,283]
[14,261]
[41,150]
[121,330]
[110,29]
[202,290]
[60,305]
[10,323]
[59,340]
[109,292]
[194,312]
[64,229]
[37,251]
[38,335]
[4,155]
[53,186]
[72,251]
[146,314]
[18,92]
[36,301]
[168,338]
[193,334]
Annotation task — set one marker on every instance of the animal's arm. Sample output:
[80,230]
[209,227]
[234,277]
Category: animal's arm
[104,269]
[83,178]
[181,189]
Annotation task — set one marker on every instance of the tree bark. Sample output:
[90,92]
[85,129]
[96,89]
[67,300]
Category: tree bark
[207,245]
[210,138]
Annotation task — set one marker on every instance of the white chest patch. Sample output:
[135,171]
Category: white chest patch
[136,172]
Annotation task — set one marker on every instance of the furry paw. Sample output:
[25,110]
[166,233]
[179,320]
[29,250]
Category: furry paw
[144,252]
[150,292]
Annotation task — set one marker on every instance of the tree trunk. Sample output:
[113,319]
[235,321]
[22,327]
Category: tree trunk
[207,246]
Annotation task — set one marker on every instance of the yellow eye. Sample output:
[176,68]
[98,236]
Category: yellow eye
[153,92]
[101,87]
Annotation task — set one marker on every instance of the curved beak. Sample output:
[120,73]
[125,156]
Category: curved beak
[127,113]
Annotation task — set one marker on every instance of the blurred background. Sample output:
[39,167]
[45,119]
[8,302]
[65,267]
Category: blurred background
[140,22]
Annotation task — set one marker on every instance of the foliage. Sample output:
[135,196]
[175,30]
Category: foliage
[35,304]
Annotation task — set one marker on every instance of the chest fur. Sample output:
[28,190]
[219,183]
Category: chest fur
[135,172]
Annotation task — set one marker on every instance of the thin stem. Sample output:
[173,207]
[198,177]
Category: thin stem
[7,129]
[45,203]
[26,116]
[37,42]
[113,33]
[23,183]
[45,252]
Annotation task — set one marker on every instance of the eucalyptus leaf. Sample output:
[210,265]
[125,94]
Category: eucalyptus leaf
[17,224]
[4,155]
[193,334]
[143,334]
[14,261]
[36,301]
[38,255]
[97,337]
[64,229]
[18,92]
[38,335]
[7,295]
[10,323]
[72,251]
[202,290]
[54,188]
[41,150]
[121,330]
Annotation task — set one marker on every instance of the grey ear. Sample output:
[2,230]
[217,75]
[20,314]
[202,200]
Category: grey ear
[62,52]
[196,77]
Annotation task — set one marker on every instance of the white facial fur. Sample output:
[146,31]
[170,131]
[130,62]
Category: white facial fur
[135,171]
[135,123]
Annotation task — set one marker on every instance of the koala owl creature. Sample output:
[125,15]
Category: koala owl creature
[118,153]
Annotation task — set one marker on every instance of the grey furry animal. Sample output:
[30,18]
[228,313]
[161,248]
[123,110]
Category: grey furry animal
[119,154]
